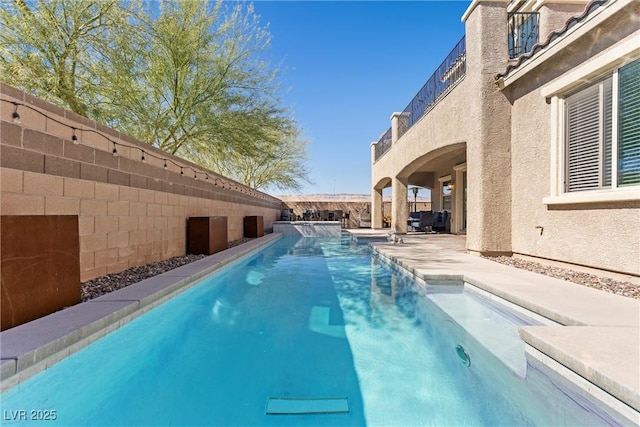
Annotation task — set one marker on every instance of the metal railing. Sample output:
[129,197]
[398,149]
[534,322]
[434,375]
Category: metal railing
[443,80]
[452,69]
[384,144]
[523,32]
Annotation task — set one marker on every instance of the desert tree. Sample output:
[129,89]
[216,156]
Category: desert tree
[189,77]
[48,47]
[279,164]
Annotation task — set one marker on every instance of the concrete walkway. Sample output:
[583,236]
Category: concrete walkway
[598,336]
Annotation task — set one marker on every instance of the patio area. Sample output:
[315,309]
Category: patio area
[596,336]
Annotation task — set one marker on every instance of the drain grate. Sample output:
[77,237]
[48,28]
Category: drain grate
[305,405]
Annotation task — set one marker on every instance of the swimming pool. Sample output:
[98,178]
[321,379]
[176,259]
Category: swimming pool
[316,323]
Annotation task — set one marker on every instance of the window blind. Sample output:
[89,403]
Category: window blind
[629,124]
[584,139]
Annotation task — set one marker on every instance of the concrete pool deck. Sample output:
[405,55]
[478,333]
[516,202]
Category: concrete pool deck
[598,333]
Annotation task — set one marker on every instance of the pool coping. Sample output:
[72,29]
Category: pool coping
[594,347]
[32,347]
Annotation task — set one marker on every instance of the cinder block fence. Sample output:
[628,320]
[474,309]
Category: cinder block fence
[132,207]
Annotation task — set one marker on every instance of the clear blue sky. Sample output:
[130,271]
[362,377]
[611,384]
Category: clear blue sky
[347,67]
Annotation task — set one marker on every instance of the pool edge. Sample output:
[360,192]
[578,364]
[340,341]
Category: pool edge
[34,346]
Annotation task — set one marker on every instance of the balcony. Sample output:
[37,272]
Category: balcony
[523,33]
[442,81]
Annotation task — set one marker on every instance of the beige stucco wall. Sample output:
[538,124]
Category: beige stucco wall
[504,135]
[429,137]
[470,124]
[130,213]
[488,152]
[601,235]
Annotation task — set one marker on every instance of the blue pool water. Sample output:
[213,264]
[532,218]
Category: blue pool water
[307,318]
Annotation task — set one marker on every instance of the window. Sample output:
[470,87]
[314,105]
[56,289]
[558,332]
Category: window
[603,132]
[445,192]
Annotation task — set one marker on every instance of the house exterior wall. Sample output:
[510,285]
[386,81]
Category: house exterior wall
[129,212]
[604,235]
[507,128]
[475,115]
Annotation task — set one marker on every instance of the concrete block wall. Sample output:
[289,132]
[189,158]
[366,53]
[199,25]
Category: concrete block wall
[130,212]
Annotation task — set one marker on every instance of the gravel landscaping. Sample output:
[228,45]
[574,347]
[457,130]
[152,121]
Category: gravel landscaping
[111,282]
[617,287]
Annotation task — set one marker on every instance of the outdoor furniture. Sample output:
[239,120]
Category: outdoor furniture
[421,221]
[287,215]
[440,220]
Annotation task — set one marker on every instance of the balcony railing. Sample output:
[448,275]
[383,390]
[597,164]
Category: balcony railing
[384,144]
[523,32]
[452,69]
[446,76]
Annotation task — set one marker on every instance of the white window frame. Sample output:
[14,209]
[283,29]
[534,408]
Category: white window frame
[458,202]
[623,52]
[442,180]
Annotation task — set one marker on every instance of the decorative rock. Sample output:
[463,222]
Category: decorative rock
[111,282]
[617,287]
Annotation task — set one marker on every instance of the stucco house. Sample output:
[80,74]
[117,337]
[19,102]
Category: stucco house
[528,134]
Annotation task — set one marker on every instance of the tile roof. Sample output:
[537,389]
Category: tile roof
[571,22]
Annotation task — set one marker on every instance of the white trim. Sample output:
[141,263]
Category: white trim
[441,194]
[624,194]
[625,51]
[614,130]
[556,149]
[558,141]
[444,179]
[457,206]
[594,19]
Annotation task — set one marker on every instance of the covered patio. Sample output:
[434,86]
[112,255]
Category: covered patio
[442,173]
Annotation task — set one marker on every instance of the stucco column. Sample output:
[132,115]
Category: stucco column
[376,208]
[399,205]
[399,122]
[376,195]
[489,144]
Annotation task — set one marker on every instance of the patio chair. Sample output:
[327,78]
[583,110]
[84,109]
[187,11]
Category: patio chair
[425,222]
[414,220]
[440,220]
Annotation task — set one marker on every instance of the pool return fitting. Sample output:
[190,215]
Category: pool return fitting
[463,356]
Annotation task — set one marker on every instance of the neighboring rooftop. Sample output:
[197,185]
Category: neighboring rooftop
[342,197]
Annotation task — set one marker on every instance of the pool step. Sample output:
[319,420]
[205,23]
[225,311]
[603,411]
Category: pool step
[495,330]
[305,405]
